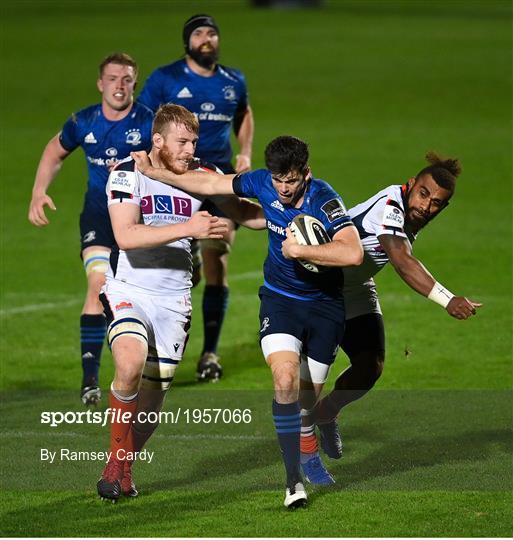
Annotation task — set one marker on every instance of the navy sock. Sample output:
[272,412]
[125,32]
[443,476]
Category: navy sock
[92,335]
[215,303]
[287,421]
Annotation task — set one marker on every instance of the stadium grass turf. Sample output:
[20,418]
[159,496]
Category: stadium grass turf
[371,86]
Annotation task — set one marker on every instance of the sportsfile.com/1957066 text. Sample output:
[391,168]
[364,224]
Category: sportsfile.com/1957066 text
[110,415]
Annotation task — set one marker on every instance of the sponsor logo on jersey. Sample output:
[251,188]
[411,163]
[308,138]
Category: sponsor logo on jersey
[276,228]
[265,324]
[90,139]
[89,237]
[215,117]
[277,204]
[111,152]
[333,209]
[124,305]
[109,162]
[133,136]
[165,204]
[393,217]
[184,93]
[122,181]
[229,93]
[207,107]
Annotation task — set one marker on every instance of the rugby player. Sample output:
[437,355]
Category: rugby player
[388,224]
[218,96]
[301,313]
[107,132]
[146,296]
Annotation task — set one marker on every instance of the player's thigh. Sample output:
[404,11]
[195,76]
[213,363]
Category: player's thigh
[364,340]
[281,327]
[125,316]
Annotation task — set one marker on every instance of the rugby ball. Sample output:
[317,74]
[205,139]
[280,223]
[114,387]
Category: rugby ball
[309,231]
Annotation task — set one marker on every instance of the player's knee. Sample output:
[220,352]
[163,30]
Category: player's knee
[158,373]
[369,366]
[285,376]
[220,247]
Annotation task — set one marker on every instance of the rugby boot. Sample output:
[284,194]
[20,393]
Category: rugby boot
[127,484]
[109,484]
[90,393]
[209,369]
[331,441]
[315,472]
[295,496]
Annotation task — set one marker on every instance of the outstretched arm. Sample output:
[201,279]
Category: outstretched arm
[415,274]
[202,183]
[345,249]
[49,166]
[243,211]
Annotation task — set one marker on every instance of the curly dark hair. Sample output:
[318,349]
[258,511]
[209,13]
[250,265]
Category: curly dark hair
[443,170]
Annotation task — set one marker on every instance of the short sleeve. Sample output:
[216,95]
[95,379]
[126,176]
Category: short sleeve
[389,218]
[123,187]
[332,212]
[250,184]
[69,136]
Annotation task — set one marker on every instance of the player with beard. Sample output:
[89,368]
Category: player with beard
[217,95]
[146,297]
[107,132]
[388,223]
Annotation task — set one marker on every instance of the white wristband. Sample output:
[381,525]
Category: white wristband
[440,295]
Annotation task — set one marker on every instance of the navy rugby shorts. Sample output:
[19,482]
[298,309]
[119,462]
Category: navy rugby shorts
[95,229]
[319,325]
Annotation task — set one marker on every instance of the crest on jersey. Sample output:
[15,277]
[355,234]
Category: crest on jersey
[229,93]
[133,136]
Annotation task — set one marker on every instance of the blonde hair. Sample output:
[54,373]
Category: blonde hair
[174,114]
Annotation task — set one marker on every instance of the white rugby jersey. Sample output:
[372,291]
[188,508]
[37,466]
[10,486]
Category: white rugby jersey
[383,213]
[163,270]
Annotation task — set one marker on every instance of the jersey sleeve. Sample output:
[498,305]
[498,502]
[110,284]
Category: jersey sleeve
[123,187]
[151,94]
[388,218]
[332,211]
[250,184]
[243,103]
[69,137]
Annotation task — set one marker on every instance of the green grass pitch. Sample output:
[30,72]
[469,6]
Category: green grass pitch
[371,86]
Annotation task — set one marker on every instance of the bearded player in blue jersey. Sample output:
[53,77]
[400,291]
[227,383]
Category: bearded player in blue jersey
[107,133]
[302,313]
[217,95]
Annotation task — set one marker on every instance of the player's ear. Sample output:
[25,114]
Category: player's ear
[411,183]
[158,140]
[99,85]
[308,173]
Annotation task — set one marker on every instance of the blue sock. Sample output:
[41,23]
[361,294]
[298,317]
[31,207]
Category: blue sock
[287,421]
[215,303]
[92,335]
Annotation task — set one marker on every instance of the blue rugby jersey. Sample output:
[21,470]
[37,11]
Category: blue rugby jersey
[214,100]
[104,143]
[321,201]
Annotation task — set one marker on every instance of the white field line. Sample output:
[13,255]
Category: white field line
[72,434]
[67,303]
